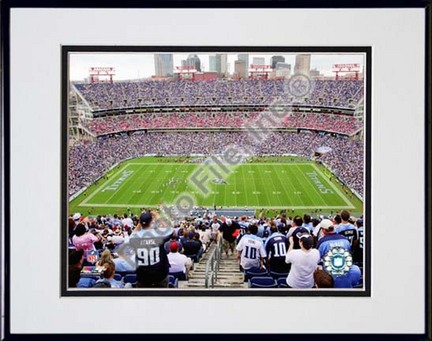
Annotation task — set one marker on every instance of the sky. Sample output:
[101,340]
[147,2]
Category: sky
[141,65]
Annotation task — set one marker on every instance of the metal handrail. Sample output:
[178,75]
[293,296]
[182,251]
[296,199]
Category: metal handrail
[212,265]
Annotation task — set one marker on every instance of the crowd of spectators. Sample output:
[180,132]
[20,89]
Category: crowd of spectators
[294,247]
[89,160]
[341,124]
[133,94]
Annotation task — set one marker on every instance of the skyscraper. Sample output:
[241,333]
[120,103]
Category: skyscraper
[302,64]
[240,69]
[221,64]
[275,60]
[164,64]
[193,60]
[212,62]
[245,58]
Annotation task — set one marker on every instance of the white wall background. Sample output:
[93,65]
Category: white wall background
[397,38]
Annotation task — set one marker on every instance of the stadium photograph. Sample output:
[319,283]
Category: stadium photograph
[231,171]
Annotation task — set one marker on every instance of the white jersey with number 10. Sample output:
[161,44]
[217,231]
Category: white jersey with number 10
[252,249]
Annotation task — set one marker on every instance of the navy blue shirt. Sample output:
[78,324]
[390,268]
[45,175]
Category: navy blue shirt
[276,247]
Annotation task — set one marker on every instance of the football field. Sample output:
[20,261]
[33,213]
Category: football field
[148,182]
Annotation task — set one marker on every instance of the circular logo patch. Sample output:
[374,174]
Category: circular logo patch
[338,261]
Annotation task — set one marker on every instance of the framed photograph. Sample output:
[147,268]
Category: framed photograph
[240,156]
[231,153]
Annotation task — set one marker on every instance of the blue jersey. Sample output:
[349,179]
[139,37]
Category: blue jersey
[260,231]
[332,240]
[243,226]
[349,231]
[276,247]
[309,226]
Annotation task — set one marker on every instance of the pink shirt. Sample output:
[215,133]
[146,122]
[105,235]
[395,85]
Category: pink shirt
[84,242]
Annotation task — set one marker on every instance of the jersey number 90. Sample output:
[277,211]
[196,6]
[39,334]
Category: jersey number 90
[146,257]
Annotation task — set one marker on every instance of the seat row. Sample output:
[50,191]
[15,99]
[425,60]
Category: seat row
[89,281]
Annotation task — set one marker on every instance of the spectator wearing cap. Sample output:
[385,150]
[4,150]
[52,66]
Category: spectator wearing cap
[227,234]
[151,258]
[304,262]
[179,263]
[318,231]
[76,218]
[331,239]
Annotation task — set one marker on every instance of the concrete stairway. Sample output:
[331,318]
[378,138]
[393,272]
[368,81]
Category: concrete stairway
[229,274]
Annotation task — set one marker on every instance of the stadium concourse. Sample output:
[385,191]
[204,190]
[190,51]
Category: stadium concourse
[181,118]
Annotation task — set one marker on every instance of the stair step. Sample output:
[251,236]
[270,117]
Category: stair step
[228,276]
[219,276]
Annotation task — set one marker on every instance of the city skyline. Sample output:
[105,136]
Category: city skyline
[137,65]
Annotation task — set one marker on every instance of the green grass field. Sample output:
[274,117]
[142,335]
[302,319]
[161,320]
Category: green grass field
[294,184]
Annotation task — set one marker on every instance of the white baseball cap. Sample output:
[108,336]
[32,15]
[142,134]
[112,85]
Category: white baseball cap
[326,224]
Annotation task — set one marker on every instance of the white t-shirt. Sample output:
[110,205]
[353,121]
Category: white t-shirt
[302,268]
[252,249]
[205,236]
[127,222]
[215,227]
[178,262]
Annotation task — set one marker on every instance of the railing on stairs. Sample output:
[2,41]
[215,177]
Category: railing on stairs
[212,265]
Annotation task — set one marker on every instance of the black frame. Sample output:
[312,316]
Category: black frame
[9,4]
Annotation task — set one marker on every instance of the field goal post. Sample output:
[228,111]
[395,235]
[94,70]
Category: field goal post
[327,172]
